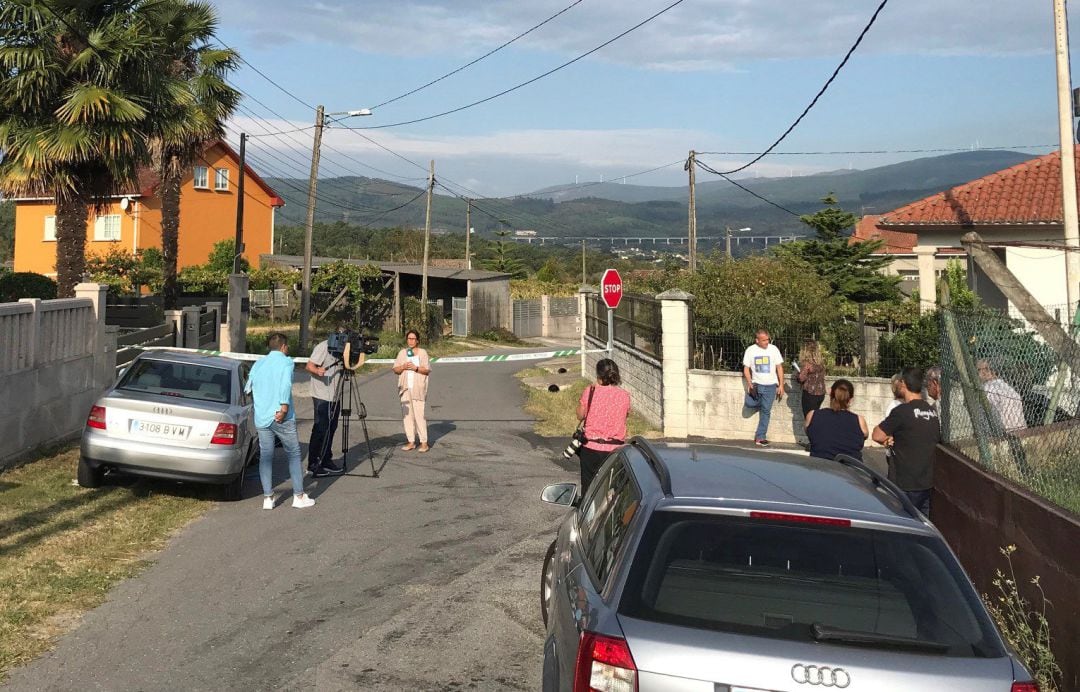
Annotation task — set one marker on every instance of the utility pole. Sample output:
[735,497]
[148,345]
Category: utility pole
[238,245]
[468,231]
[727,241]
[427,241]
[305,290]
[691,164]
[1068,158]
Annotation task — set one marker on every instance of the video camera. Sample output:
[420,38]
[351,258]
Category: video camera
[344,343]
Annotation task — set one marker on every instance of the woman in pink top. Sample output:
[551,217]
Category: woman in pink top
[605,419]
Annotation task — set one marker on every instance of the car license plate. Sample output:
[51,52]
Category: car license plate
[169,431]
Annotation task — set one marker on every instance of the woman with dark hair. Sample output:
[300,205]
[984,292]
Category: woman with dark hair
[837,430]
[412,367]
[811,369]
[603,410]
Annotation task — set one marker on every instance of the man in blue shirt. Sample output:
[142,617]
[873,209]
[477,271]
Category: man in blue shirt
[270,383]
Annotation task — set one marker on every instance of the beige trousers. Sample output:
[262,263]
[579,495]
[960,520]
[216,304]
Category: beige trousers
[415,422]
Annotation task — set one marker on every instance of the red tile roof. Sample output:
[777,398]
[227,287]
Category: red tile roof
[1026,194]
[894,242]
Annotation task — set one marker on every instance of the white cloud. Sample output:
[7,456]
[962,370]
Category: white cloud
[699,34]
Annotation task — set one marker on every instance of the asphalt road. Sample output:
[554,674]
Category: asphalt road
[425,578]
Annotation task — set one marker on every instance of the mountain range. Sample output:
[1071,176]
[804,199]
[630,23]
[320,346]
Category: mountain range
[621,210]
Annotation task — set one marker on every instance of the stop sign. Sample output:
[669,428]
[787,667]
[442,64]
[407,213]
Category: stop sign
[611,288]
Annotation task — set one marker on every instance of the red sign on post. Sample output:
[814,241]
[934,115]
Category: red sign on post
[611,288]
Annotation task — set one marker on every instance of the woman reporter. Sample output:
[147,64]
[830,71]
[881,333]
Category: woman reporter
[837,430]
[413,366]
[603,410]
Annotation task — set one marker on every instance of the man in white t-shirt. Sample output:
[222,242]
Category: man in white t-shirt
[763,370]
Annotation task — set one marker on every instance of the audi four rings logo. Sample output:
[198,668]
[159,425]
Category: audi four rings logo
[820,675]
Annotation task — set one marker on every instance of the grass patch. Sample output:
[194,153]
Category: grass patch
[63,547]
[556,412]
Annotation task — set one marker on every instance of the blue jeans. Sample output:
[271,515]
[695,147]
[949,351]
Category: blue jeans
[766,395]
[320,447]
[286,432]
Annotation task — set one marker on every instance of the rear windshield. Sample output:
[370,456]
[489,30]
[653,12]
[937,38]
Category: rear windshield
[185,380]
[780,580]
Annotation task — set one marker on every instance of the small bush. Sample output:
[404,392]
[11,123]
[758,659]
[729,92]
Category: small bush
[500,335]
[1025,629]
[17,285]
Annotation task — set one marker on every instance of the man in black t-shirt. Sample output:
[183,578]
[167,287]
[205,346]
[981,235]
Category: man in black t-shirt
[912,432]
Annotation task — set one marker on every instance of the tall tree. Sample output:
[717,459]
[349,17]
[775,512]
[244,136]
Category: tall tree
[502,258]
[192,103]
[852,269]
[74,80]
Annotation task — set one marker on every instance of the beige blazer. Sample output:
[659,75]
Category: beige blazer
[420,382]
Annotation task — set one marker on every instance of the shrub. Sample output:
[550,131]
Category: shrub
[16,285]
[500,335]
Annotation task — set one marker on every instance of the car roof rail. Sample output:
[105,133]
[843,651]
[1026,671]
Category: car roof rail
[880,481]
[655,461]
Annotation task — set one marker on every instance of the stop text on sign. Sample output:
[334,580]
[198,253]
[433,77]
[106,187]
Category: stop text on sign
[611,288]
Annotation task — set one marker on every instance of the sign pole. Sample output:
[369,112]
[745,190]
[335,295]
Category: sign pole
[610,331]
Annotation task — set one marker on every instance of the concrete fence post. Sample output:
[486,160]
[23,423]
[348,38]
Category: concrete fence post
[189,335]
[677,332]
[33,333]
[545,315]
[96,339]
[583,298]
[234,333]
[176,319]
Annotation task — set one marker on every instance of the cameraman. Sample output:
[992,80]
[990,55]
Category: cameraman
[326,372]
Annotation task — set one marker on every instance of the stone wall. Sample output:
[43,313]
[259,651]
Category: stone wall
[715,406]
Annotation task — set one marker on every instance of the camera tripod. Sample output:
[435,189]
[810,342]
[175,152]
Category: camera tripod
[346,405]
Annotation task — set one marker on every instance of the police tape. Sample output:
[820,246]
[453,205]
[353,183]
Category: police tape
[499,358]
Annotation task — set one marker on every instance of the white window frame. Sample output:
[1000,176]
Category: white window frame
[205,177]
[50,229]
[104,229]
[221,179]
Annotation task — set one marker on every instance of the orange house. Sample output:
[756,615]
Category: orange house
[208,198]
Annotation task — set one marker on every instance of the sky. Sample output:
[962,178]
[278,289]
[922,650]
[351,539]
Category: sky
[709,75]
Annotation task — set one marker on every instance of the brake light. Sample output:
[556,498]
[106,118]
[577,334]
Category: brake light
[1025,687]
[96,419]
[224,435]
[604,664]
[805,518]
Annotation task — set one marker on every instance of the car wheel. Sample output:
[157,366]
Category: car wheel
[234,489]
[88,476]
[547,582]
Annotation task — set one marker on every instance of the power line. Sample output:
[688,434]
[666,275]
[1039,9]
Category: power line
[581,186]
[485,55]
[282,89]
[814,101]
[881,151]
[704,166]
[525,83]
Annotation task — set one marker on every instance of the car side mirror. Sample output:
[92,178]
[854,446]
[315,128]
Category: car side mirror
[560,494]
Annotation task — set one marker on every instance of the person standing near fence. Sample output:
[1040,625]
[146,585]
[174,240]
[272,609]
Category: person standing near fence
[912,432]
[763,370]
[811,369]
[837,429]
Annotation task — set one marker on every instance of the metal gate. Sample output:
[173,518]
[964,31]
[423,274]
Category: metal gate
[527,318]
[460,317]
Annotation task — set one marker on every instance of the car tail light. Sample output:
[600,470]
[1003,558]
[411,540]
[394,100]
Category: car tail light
[604,664]
[1025,687]
[224,435]
[805,518]
[96,419]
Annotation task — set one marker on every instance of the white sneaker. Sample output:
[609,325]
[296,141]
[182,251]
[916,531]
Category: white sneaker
[302,500]
[268,502]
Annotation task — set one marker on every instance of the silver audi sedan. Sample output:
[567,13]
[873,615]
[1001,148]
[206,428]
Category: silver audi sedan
[173,415]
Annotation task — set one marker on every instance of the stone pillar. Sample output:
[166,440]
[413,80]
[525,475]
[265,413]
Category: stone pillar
[927,278]
[189,331]
[234,333]
[104,372]
[176,319]
[545,315]
[676,329]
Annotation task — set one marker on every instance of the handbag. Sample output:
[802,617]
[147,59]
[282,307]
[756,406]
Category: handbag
[579,434]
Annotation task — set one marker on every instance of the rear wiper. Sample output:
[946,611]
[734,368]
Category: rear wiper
[826,633]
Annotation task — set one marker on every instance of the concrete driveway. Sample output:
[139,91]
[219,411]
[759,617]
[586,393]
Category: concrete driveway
[424,578]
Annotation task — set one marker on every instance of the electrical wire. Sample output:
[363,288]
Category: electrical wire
[527,82]
[485,55]
[877,151]
[814,101]
[705,167]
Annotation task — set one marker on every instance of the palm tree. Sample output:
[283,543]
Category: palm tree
[191,108]
[74,75]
